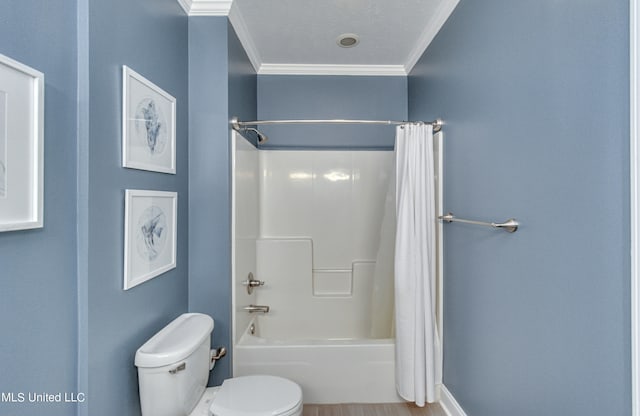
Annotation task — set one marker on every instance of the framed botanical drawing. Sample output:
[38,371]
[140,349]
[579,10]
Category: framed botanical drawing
[149,235]
[148,125]
[21,146]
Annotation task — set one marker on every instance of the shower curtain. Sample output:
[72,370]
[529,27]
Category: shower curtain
[418,352]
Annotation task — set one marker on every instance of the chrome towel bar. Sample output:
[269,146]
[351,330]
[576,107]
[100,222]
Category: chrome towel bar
[510,225]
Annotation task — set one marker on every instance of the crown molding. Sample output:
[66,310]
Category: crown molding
[228,8]
[311,69]
[431,30]
[185,4]
[206,7]
[242,31]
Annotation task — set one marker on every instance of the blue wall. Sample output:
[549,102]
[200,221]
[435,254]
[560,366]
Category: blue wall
[535,97]
[221,80]
[65,288]
[150,37]
[243,82]
[38,295]
[331,97]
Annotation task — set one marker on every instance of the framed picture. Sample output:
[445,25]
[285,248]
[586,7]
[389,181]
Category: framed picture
[148,125]
[150,221]
[21,146]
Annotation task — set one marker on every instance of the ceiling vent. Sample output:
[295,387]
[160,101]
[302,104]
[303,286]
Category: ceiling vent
[348,40]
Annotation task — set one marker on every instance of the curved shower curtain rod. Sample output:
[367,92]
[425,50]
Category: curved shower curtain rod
[237,124]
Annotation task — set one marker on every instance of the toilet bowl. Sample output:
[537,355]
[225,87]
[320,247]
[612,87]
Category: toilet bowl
[173,369]
[258,395]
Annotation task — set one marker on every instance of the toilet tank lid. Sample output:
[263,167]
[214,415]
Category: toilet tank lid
[176,341]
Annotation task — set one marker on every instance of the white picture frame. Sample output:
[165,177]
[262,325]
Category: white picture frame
[150,235]
[21,146]
[148,125]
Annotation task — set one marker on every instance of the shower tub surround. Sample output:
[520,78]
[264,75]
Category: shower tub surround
[317,226]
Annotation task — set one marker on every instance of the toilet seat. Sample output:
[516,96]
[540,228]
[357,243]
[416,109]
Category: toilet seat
[257,396]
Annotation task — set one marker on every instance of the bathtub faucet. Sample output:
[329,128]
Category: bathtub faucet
[256,308]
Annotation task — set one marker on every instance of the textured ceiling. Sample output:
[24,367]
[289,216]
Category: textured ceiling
[299,36]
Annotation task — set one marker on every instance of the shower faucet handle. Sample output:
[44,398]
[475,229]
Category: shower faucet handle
[250,283]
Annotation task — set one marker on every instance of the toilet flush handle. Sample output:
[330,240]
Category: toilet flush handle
[181,367]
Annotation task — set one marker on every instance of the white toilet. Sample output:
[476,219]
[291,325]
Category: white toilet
[173,369]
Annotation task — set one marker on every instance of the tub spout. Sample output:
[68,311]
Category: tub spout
[256,308]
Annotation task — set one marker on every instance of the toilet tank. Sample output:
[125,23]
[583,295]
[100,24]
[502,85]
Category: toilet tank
[173,366]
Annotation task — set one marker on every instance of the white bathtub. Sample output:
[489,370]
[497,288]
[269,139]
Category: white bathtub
[329,371]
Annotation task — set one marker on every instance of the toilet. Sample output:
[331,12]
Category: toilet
[173,369]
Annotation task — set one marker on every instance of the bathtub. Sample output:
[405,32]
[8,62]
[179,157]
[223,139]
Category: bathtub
[329,371]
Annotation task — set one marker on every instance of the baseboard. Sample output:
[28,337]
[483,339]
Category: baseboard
[449,403]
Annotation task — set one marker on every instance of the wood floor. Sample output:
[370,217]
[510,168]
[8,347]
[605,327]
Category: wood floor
[386,409]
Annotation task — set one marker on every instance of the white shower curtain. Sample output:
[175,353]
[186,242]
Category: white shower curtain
[418,352]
